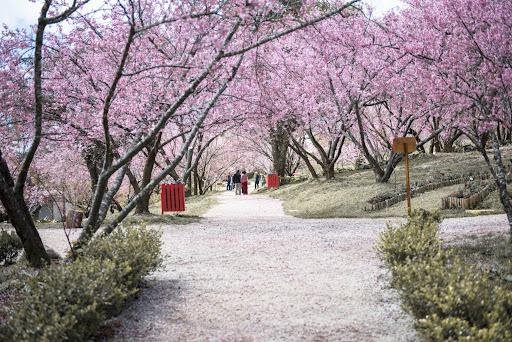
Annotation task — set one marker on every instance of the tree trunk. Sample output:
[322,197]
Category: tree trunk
[279,141]
[108,199]
[391,165]
[329,171]
[200,182]
[92,156]
[143,206]
[299,149]
[448,144]
[377,169]
[188,179]
[435,146]
[12,192]
[20,218]
[196,182]
[500,177]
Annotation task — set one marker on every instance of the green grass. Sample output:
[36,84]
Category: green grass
[490,253]
[346,195]
[195,207]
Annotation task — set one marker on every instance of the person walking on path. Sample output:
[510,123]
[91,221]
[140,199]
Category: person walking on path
[229,181]
[257,181]
[236,180]
[245,180]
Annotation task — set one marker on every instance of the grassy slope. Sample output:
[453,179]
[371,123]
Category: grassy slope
[345,196]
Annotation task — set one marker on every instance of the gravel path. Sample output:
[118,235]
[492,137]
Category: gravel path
[248,272]
[56,239]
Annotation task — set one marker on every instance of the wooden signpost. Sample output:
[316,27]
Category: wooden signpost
[406,145]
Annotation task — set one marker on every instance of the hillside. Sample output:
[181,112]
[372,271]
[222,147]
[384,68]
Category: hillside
[346,195]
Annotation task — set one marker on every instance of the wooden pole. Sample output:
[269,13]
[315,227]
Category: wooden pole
[407,180]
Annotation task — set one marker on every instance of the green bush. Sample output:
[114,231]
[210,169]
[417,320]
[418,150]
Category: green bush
[137,250]
[68,302]
[71,301]
[417,238]
[453,301]
[445,286]
[450,299]
[10,247]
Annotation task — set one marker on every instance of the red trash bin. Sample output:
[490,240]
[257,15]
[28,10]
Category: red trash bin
[172,197]
[273,181]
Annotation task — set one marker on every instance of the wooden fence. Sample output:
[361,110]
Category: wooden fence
[452,202]
[421,189]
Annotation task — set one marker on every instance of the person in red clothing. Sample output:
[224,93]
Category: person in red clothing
[244,180]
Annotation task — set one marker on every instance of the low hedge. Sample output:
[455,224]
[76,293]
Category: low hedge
[417,238]
[450,300]
[71,301]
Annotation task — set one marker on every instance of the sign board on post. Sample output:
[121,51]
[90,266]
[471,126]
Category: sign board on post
[400,145]
[406,145]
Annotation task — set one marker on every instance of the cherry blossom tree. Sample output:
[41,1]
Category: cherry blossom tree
[465,50]
[12,185]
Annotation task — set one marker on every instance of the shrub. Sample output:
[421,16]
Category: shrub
[443,285]
[381,197]
[450,299]
[10,247]
[454,301]
[417,238]
[361,164]
[71,301]
[136,250]
[68,302]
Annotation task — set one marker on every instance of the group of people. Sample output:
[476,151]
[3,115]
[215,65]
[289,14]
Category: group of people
[240,181]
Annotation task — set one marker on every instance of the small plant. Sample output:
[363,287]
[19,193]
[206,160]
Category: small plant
[68,302]
[360,163]
[10,247]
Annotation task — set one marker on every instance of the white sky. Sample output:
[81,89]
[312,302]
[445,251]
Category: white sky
[21,13]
